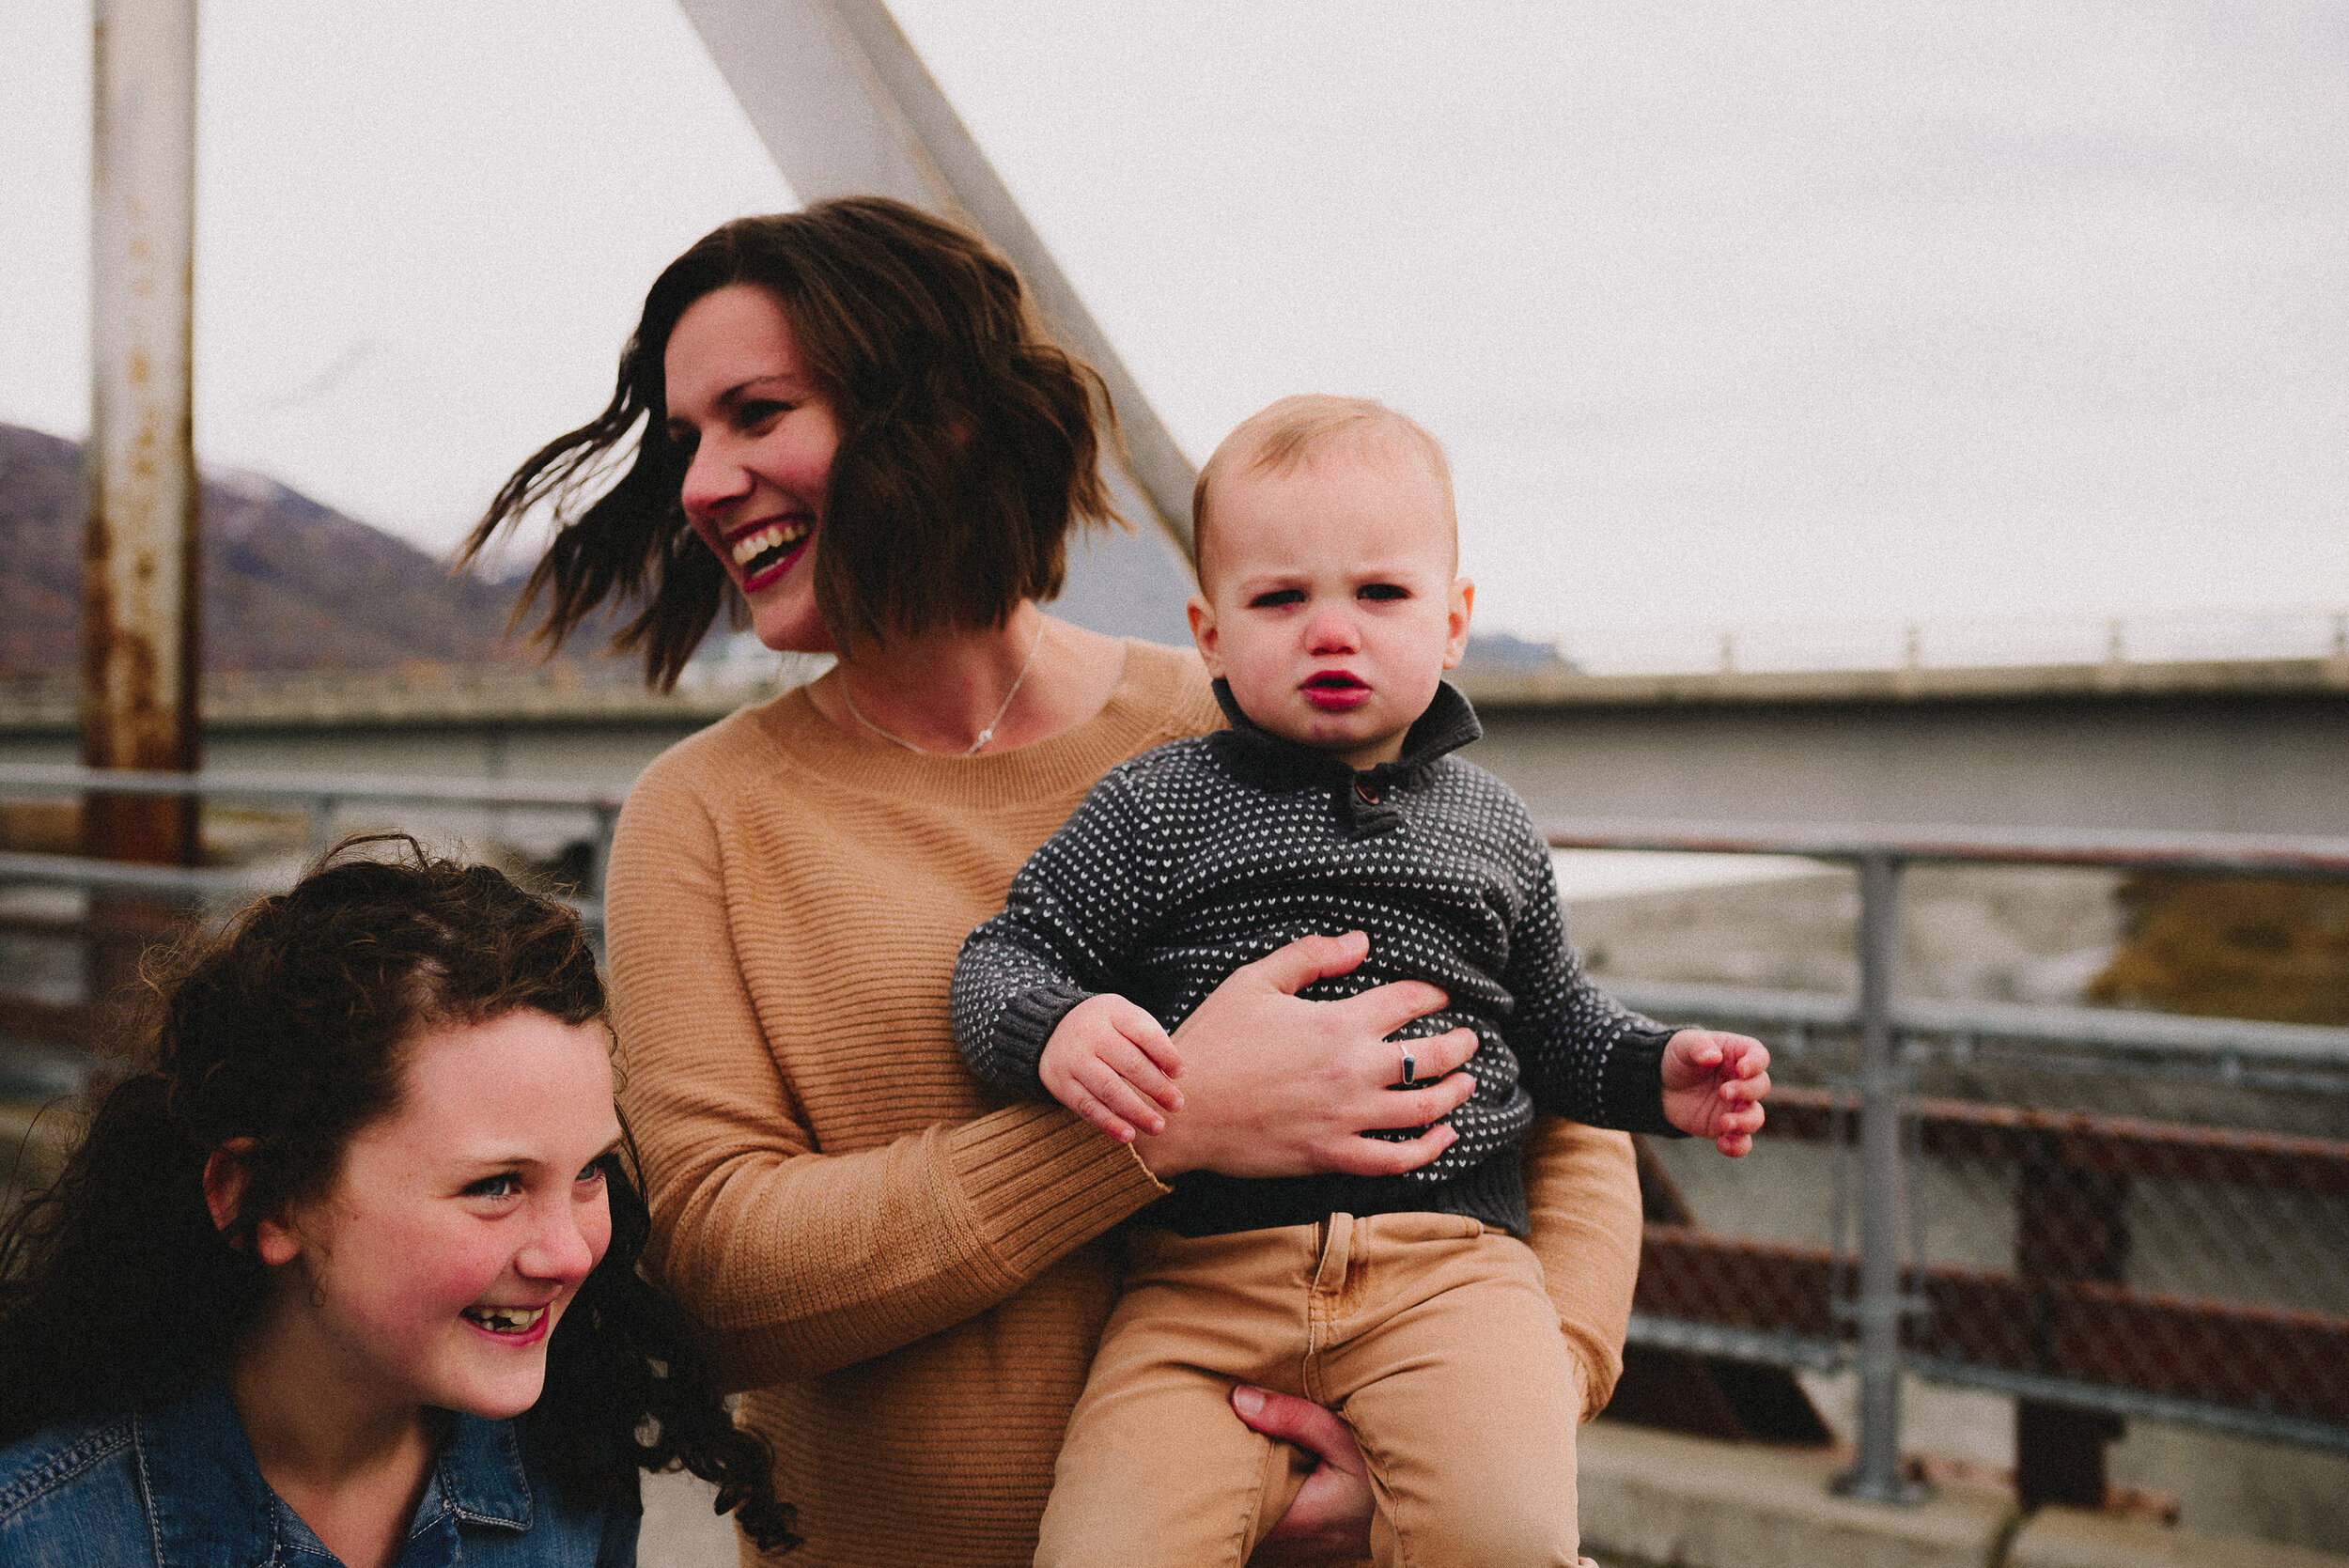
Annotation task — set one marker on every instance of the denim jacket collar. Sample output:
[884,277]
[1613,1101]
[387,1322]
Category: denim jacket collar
[1357,797]
[211,1509]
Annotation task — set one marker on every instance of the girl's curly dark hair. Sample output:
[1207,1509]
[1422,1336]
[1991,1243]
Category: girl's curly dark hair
[118,1293]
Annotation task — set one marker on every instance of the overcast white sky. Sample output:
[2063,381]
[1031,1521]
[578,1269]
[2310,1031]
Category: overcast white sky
[1728,312]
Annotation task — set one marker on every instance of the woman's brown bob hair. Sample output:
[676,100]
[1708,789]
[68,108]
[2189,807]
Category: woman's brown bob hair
[968,441]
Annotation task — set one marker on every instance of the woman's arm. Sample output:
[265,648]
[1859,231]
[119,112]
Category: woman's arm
[793,1261]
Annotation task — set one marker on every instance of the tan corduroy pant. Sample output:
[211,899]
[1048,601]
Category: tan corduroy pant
[1430,1333]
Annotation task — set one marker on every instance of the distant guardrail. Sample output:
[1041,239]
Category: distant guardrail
[2228,636]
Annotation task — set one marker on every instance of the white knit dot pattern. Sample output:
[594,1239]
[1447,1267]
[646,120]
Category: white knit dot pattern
[1175,872]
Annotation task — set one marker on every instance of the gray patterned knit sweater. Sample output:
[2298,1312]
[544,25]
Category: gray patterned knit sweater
[1208,853]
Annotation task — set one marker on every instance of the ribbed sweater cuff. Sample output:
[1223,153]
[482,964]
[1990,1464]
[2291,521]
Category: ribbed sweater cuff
[1027,1023]
[1633,1085]
[1042,1183]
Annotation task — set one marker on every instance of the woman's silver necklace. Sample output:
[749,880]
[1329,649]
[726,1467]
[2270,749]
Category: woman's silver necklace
[984,736]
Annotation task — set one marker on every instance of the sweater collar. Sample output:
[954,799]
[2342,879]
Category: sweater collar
[1362,797]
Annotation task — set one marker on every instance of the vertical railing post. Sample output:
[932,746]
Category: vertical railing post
[321,824]
[2071,1222]
[1882,1306]
[139,550]
[607,820]
[140,556]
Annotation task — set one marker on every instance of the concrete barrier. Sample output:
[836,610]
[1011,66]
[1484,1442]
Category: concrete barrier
[2070,1538]
[1694,1503]
[1662,1499]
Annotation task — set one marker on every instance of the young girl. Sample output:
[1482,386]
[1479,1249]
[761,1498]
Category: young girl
[349,1268]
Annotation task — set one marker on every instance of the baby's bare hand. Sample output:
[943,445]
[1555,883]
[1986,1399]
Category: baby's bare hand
[1714,1085]
[1109,1062]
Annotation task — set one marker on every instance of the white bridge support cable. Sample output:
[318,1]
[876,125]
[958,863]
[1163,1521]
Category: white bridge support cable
[846,106]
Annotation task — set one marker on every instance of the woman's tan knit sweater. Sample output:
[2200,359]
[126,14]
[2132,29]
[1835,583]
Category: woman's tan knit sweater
[908,1276]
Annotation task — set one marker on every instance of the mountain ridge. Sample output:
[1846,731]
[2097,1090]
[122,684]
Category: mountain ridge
[289,584]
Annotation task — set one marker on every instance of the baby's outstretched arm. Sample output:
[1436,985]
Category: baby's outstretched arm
[1109,1062]
[1713,1087]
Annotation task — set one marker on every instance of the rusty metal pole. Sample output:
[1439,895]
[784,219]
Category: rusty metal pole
[140,558]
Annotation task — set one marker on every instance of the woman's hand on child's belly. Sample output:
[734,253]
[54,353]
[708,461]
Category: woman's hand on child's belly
[1276,1086]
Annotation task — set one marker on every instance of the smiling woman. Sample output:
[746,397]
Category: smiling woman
[744,404]
[362,1223]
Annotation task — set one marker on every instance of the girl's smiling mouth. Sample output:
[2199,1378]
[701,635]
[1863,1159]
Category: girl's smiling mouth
[515,1326]
[766,550]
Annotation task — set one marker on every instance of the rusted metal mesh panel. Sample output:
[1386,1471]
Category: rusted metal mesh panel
[2130,1240]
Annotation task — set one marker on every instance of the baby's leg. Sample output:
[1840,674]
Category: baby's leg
[1461,1390]
[1155,1469]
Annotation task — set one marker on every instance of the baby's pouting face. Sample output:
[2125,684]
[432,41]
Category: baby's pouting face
[1330,600]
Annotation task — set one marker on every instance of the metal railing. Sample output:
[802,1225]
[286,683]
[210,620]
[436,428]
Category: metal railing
[86,949]
[320,797]
[2054,1329]
[1872,1299]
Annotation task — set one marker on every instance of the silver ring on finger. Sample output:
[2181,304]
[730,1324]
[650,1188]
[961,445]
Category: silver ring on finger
[1410,1066]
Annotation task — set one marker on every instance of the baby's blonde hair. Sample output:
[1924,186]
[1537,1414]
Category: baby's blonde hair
[1282,435]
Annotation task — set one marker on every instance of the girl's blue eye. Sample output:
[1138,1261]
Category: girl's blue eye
[592,1171]
[1276,597]
[504,1185]
[1382,590]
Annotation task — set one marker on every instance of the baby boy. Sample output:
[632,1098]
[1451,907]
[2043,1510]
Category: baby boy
[1330,606]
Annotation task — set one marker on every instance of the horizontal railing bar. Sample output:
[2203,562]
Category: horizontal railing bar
[187,881]
[1736,1345]
[49,1023]
[2239,1420]
[2105,1029]
[1676,1000]
[2122,1145]
[2221,1351]
[215,783]
[193,881]
[1658,1332]
[2249,854]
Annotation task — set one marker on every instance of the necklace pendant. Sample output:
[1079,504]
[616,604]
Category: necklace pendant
[984,736]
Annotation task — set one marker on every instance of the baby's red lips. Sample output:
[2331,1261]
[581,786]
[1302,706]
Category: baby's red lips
[1335,691]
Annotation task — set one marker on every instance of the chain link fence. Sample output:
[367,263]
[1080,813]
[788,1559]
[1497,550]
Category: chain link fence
[2097,1215]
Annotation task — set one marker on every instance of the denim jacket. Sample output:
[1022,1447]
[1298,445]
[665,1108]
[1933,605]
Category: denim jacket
[180,1489]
